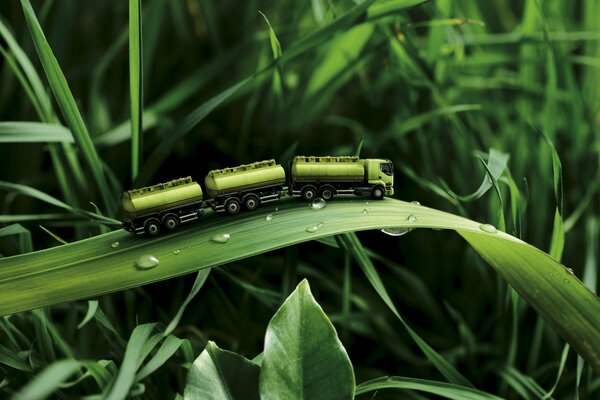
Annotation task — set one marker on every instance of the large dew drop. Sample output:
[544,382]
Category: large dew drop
[488,228]
[415,202]
[269,217]
[146,262]
[397,231]
[318,203]
[114,245]
[412,218]
[221,238]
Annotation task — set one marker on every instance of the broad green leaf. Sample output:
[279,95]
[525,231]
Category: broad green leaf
[24,132]
[221,375]
[67,104]
[303,357]
[93,267]
[443,389]
[136,91]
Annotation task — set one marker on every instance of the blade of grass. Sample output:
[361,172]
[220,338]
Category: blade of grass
[136,90]
[442,365]
[92,267]
[443,389]
[67,104]
[31,132]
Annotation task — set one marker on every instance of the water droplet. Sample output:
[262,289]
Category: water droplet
[318,203]
[146,262]
[570,270]
[276,209]
[366,202]
[176,252]
[415,202]
[488,228]
[221,238]
[566,281]
[314,228]
[365,211]
[397,231]
[114,245]
[412,218]
[269,217]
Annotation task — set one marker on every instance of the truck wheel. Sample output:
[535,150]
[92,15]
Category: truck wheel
[232,206]
[378,192]
[170,222]
[251,202]
[309,193]
[327,192]
[152,227]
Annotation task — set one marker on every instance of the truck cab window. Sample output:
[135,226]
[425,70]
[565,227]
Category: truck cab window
[387,169]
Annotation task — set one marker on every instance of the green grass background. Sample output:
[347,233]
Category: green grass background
[432,88]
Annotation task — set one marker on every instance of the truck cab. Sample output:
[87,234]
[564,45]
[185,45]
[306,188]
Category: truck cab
[380,172]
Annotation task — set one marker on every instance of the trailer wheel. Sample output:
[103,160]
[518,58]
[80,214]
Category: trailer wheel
[232,205]
[170,222]
[309,193]
[251,202]
[327,192]
[377,192]
[152,227]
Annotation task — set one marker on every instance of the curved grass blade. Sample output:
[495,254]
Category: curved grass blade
[32,192]
[67,104]
[92,267]
[49,380]
[443,389]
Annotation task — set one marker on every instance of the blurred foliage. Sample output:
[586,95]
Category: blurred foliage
[436,88]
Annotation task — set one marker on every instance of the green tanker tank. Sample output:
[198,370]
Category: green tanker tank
[165,204]
[327,176]
[250,185]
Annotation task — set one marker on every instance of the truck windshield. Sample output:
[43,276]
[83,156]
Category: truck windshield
[387,168]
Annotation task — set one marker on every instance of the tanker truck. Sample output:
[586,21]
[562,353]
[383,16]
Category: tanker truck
[162,206]
[246,185]
[328,176]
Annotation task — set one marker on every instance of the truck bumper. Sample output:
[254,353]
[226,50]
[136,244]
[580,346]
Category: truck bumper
[389,191]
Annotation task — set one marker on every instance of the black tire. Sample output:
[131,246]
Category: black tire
[251,202]
[170,222]
[327,192]
[232,206]
[152,227]
[378,192]
[309,193]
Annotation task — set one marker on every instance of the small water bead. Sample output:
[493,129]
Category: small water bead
[176,252]
[146,262]
[570,270]
[415,202]
[488,228]
[318,203]
[114,245]
[314,228]
[276,209]
[221,238]
[397,231]
[412,218]
[365,211]
[269,217]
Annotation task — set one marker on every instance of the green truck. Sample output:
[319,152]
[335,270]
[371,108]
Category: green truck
[246,185]
[324,177]
[163,206]
[166,205]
